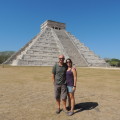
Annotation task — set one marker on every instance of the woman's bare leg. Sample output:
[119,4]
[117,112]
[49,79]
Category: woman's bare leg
[72,99]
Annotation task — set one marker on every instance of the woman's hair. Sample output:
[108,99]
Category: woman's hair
[70,61]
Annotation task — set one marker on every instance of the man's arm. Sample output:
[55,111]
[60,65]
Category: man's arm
[53,73]
[53,78]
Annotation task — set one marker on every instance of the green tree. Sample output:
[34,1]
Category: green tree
[3,58]
[119,64]
[114,62]
[5,55]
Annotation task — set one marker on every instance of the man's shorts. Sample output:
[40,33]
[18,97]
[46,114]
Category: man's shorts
[61,91]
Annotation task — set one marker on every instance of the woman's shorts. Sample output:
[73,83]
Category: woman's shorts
[70,89]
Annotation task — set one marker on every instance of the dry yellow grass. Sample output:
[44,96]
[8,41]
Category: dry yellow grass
[26,93]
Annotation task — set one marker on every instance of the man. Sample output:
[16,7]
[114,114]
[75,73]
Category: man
[59,81]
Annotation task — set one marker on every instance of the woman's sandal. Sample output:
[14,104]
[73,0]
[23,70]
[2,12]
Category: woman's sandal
[70,113]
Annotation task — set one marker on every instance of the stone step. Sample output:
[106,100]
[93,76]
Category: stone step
[37,51]
[44,41]
[42,56]
[43,46]
[36,62]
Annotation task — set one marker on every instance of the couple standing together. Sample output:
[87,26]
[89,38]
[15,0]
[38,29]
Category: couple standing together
[64,79]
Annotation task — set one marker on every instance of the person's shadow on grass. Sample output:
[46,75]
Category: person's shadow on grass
[85,106]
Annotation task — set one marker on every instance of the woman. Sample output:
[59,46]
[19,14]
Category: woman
[71,79]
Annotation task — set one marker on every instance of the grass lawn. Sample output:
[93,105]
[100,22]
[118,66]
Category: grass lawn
[27,93]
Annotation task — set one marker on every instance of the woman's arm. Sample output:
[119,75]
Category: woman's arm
[75,76]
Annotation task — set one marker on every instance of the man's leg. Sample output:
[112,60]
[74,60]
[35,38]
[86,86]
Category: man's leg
[64,96]
[57,97]
[58,103]
[64,104]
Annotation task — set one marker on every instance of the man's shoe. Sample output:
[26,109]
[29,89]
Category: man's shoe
[68,108]
[58,111]
[65,110]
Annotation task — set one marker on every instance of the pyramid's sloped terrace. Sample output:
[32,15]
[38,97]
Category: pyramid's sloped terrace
[53,40]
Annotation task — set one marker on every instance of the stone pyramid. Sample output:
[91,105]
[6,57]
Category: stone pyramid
[53,40]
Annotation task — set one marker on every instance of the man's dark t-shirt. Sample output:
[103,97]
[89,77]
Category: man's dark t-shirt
[60,73]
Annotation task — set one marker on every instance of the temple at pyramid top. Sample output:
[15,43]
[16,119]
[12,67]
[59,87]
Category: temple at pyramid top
[53,40]
[53,24]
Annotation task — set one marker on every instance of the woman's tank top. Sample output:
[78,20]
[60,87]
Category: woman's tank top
[69,78]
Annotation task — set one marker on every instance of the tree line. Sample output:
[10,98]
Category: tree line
[113,62]
[6,54]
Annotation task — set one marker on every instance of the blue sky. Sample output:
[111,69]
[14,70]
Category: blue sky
[96,23]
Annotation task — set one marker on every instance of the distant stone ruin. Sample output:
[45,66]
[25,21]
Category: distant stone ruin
[53,40]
